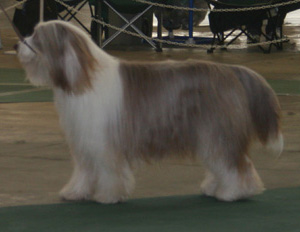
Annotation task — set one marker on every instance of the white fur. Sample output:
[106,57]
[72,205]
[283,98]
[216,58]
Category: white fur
[230,185]
[276,145]
[84,119]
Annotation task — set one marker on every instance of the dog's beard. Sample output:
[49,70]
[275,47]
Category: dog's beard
[35,68]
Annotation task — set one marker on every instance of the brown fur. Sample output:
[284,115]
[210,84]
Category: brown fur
[194,107]
[265,110]
[57,59]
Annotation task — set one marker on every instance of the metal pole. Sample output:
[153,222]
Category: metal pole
[41,10]
[98,28]
[159,29]
[191,16]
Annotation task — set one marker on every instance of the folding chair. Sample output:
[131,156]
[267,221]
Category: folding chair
[71,14]
[224,25]
[124,7]
[67,15]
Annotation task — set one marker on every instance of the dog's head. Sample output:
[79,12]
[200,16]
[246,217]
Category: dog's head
[59,55]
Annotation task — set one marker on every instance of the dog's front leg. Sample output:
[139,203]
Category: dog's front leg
[210,184]
[115,181]
[80,185]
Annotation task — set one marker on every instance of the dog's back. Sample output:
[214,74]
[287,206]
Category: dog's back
[194,107]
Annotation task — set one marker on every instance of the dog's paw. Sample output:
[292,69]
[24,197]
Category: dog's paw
[209,186]
[109,199]
[69,194]
[208,190]
[240,190]
[233,195]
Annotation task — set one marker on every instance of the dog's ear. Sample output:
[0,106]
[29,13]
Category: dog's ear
[68,55]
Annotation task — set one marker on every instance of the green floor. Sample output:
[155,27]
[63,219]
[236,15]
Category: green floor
[14,88]
[275,210]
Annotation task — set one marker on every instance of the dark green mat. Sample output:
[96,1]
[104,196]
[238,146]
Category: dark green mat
[13,83]
[291,87]
[274,211]
[10,77]
[10,88]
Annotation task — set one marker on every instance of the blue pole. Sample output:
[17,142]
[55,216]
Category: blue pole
[191,5]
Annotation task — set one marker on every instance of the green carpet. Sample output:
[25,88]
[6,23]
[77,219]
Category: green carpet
[274,211]
[289,87]
[14,88]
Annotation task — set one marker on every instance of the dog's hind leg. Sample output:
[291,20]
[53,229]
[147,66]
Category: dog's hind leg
[230,181]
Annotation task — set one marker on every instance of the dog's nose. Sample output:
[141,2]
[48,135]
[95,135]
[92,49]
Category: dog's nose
[16,47]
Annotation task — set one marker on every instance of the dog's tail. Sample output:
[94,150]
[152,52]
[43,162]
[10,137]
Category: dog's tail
[265,110]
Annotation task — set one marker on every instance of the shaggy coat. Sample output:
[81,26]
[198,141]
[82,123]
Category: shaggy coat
[116,114]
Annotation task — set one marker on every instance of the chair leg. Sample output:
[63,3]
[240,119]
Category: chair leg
[212,47]
[235,38]
[129,23]
[107,41]
[272,34]
[73,15]
[96,28]
[159,29]
[280,44]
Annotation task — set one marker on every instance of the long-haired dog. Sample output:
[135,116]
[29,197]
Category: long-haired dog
[117,114]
